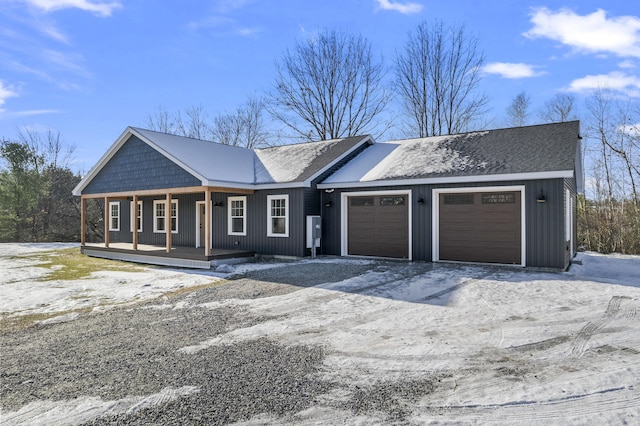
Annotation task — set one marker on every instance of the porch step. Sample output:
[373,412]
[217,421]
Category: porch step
[150,260]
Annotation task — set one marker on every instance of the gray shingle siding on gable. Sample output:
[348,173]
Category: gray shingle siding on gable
[137,166]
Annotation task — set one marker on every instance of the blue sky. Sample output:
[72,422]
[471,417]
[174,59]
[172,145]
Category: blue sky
[89,68]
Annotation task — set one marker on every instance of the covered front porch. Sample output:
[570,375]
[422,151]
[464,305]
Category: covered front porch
[157,237]
[182,257]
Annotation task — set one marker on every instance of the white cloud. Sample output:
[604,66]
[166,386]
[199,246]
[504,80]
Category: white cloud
[511,70]
[404,8]
[223,25]
[97,7]
[6,92]
[594,33]
[627,64]
[616,80]
[632,130]
[27,113]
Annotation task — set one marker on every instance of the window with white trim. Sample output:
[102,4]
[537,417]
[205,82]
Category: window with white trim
[114,215]
[136,216]
[160,215]
[278,215]
[237,215]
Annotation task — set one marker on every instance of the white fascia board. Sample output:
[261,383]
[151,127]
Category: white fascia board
[445,180]
[103,161]
[285,185]
[255,187]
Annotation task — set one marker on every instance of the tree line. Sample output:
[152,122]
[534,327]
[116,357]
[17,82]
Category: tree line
[332,86]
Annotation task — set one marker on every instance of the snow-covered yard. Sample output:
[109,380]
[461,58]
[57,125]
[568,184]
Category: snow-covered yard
[497,345]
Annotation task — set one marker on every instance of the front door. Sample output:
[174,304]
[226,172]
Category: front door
[201,221]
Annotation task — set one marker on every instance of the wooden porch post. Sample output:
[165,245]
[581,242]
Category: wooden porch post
[134,217]
[167,222]
[107,217]
[207,223]
[83,223]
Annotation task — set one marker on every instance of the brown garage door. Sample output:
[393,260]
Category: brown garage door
[378,226]
[480,227]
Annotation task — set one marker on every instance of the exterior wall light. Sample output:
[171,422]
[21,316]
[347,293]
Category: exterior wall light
[328,203]
[218,204]
[541,198]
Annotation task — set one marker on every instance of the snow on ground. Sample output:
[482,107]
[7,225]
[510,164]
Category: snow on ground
[504,345]
[81,410]
[23,292]
[509,346]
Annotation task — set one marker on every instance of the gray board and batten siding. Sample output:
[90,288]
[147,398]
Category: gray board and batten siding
[256,238]
[544,222]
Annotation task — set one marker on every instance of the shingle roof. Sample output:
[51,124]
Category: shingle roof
[216,162]
[299,162]
[519,150]
[224,165]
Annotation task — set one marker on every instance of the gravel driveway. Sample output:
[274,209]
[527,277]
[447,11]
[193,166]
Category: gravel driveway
[339,341]
[135,351]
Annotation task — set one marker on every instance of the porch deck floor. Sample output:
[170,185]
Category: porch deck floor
[189,257]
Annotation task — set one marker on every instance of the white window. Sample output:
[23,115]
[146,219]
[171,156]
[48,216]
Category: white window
[114,215]
[136,216]
[237,219]
[277,215]
[160,215]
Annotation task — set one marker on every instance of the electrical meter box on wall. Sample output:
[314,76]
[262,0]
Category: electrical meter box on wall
[314,231]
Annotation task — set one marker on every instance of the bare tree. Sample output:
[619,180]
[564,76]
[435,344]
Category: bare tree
[437,74]
[610,217]
[518,111]
[329,86]
[194,126]
[244,127]
[558,109]
[161,120]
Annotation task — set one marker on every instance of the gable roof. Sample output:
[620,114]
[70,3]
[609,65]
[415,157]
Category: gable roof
[216,164]
[541,151]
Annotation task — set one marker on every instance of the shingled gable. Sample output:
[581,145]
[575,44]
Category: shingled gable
[530,152]
[214,164]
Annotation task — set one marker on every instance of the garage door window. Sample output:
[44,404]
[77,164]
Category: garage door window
[392,201]
[499,198]
[458,198]
[361,201]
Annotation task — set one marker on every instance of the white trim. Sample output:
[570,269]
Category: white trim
[133,215]
[269,217]
[453,179]
[198,242]
[344,216]
[230,201]
[112,216]
[166,211]
[435,214]
[568,222]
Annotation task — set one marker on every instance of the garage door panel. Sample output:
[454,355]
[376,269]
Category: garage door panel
[378,226]
[480,227]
